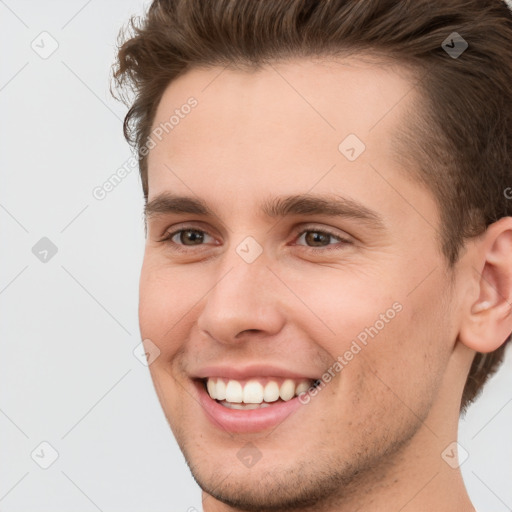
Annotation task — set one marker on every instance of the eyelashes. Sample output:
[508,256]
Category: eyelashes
[202,235]
[324,232]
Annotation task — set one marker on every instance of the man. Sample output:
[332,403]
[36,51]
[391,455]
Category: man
[327,279]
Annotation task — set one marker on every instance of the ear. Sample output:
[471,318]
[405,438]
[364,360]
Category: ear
[488,322]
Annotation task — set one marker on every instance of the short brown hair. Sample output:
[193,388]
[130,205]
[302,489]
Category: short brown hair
[459,139]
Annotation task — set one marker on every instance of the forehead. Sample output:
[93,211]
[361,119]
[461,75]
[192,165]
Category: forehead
[334,97]
[281,127]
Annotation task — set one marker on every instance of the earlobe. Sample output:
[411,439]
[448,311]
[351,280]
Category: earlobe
[488,322]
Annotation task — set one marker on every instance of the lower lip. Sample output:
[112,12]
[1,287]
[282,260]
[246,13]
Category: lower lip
[245,421]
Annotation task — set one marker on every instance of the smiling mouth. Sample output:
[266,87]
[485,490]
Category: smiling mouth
[255,393]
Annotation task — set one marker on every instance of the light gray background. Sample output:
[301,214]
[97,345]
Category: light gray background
[69,326]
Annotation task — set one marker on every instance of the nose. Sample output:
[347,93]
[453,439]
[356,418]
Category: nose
[245,298]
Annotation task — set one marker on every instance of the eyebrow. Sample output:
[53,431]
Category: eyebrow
[275,207]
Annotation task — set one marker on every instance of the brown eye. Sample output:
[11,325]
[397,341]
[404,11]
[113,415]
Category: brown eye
[190,236]
[186,237]
[319,238]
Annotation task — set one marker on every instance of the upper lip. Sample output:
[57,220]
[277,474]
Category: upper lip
[242,372]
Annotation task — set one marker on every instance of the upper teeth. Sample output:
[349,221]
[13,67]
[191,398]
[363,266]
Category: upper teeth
[253,392]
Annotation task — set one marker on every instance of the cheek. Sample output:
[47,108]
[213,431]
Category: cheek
[402,367]
[337,306]
[394,345]
[162,303]
[165,298]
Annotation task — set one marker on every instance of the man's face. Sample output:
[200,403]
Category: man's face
[250,297]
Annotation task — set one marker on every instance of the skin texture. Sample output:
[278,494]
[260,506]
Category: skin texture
[372,438]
